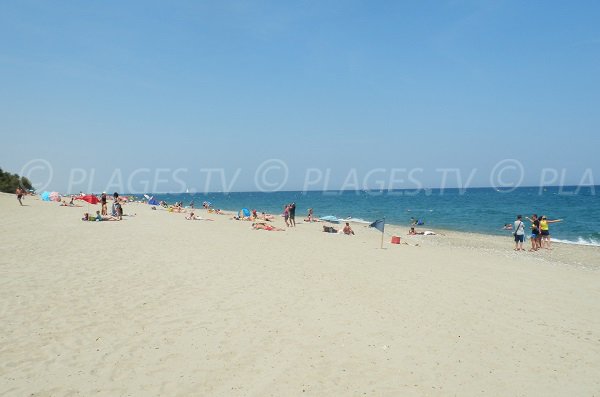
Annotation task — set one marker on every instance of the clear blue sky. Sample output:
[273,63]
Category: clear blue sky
[322,84]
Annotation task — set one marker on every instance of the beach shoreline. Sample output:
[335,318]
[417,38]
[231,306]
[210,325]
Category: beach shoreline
[483,210]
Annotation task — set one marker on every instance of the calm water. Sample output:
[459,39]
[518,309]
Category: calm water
[482,210]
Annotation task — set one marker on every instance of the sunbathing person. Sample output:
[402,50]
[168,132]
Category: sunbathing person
[347,229]
[106,218]
[267,217]
[192,217]
[412,232]
[98,217]
[263,226]
[88,217]
[71,203]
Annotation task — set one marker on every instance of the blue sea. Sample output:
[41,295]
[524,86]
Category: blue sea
[479,210]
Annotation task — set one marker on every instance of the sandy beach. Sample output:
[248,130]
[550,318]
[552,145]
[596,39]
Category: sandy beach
[157,305]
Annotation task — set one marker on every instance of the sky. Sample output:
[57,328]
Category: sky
[307,95]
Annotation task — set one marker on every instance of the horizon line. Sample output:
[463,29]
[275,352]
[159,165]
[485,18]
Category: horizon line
[508,189]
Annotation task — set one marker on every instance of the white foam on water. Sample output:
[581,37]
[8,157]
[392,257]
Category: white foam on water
[580,241]
[356,220]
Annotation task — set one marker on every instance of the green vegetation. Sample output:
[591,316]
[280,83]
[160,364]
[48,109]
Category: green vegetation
[10,182]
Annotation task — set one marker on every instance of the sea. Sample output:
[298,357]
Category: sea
[477,210]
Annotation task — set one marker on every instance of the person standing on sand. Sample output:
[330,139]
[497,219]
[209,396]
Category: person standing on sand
[310,214]
[103,202]
[20,192]
[545,231]
[286,214]
[535,232]
[113,211]
[293,214]
[519,233]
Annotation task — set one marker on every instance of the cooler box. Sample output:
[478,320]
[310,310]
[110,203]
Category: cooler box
[395,240]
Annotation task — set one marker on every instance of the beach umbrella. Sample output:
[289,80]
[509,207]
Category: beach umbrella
[89,198]
[45,196]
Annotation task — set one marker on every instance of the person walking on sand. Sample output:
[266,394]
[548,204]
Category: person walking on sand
[20,193]
[310,214]
[519,233]
[545,231]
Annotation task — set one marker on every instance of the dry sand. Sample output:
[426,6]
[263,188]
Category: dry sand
[157,305]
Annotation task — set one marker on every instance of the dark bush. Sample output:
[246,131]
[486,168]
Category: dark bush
[10,182]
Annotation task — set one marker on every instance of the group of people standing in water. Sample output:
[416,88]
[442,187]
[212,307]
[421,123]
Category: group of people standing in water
[540,232]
